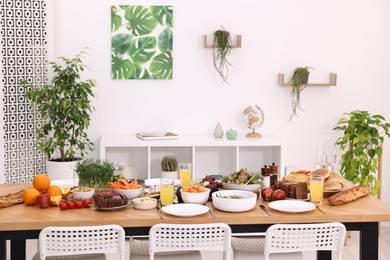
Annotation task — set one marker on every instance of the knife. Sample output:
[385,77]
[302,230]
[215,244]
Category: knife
[158,209]
[265,209]
[211,211]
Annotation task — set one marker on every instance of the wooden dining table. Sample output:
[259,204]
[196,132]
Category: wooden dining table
[20,222]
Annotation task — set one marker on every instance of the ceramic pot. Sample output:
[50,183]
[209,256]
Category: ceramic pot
[218,131]
[61,170]
[170,175]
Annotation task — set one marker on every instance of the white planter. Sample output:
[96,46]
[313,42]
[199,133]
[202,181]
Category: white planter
[61,170]
[170,175]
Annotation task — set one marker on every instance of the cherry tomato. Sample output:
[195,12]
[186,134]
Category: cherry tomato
[71,204]
[87,202]
[79,204]
[63,205]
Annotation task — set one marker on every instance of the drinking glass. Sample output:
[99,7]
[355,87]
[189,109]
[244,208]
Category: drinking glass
[316,189]
[185,174]
[167,191]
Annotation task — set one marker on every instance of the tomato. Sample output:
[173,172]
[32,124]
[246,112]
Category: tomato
[79,204]
[63,205]
[87,202]
[70,204]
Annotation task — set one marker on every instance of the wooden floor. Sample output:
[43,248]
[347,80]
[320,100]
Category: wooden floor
[351,251]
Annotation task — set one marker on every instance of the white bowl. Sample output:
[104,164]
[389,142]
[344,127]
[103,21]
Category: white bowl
[130,194]
[195,197]
[221,202]
[83,194]
[145,203]
[248,187]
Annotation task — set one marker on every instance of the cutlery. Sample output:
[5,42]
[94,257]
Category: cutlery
[211,211]
[265,209]
[158,209]
[320,210]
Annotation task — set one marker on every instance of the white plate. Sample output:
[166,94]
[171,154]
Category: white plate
[156,182]
[293,206]
[185,210]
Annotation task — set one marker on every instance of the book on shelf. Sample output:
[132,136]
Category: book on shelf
[148,136]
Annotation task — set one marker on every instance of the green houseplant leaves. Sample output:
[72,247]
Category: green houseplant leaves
[363,135]
[141,42]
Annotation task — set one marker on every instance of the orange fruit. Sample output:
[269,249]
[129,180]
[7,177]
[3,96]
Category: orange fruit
[65,192]
[41,181]
[30,196]
[55,200]
[54,190]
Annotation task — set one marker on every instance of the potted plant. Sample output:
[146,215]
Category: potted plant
[363,136]
[95,173]
[169,167]
[299,78]
[222,45]
[65,108]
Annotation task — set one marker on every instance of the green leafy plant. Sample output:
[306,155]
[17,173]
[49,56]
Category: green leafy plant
[65,107]
[299,77]
[169,163]
[95,173]
[142,42]
[363,135]
[222,45]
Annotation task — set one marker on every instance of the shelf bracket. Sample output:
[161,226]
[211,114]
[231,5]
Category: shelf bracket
[332,81]
[237,45]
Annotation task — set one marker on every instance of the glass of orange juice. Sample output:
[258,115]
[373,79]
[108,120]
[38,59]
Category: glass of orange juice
[185,174]
[167,191]
[316,189]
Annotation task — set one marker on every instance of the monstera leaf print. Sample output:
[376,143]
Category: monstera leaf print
[141,42]
[161,66]
[140,20]
[163,14]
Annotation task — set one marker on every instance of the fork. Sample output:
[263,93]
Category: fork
[211,210]
[158,209]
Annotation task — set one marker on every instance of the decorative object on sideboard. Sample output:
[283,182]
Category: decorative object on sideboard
[298,80]
[362,141]
[218,131]
[63,133]
[169,167]
[231,134]
[254,118]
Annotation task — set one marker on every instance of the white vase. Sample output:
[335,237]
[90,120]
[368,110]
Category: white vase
[61,170]
[170,175]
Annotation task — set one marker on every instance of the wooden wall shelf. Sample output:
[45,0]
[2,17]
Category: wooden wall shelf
[332,81]
[238,44]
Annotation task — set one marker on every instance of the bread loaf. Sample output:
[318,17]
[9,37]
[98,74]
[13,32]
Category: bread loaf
[349,195]
[11,199]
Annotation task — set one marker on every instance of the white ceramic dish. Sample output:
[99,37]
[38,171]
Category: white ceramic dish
[222,201]
[83,194]
[145,203]
[248,187]
[185,210]
[130,194]
[195,197]
[291,206]
[114,208]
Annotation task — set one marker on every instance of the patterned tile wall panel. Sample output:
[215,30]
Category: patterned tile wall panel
[24,56]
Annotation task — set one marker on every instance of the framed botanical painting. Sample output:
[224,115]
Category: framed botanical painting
[141,42]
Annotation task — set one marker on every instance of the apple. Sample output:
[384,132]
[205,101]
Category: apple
[278,195]
[44,200]
[267,193]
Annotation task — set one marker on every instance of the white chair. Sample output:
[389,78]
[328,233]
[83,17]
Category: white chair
[84,242]
[289,241]
[183,241]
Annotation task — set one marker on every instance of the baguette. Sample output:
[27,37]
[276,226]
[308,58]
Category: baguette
[349,195]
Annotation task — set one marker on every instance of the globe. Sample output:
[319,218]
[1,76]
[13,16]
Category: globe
[253,117]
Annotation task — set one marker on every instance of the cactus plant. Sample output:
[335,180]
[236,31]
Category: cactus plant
[169,163]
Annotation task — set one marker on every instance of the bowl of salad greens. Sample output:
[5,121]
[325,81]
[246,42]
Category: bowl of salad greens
[234,200]
[243,180]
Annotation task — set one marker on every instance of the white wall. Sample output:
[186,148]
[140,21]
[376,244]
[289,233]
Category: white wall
[350,38]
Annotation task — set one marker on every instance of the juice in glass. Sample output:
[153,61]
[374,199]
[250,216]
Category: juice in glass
[167,192]
[185,174]
[316,189]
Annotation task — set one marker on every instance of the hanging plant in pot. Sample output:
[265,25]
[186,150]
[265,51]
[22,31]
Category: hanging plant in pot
[65,107]
[222,45]
[299,78]
[362,141]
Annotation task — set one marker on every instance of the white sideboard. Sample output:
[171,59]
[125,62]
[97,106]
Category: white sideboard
[207,154]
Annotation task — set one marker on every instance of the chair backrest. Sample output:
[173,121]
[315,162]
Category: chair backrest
[61,241]
[190,237]
[284,238]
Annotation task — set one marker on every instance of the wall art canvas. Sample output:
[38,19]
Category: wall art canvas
[141,42]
